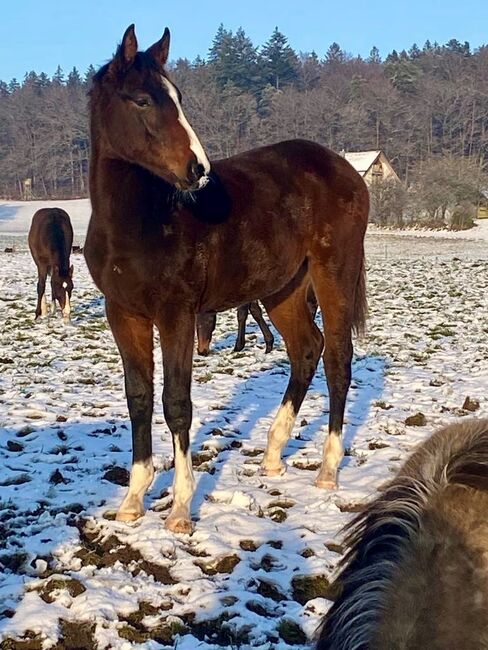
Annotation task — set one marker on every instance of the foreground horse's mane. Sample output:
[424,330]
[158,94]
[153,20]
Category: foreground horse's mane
[379,537]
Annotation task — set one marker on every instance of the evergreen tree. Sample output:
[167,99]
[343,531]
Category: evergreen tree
[74,78]
[89,73]
[13,85]
[279,61]
[58,77]
[334,54]
[374,55]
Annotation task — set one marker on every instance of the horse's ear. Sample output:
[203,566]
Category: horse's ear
[55,271]
[160,50]
[126,52]
[71,271]
[128,48]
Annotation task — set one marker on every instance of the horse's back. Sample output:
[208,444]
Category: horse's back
[50,234]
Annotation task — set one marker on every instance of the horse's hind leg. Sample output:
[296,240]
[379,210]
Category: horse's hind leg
[134,338]
[336,297]
[257,314]
[242,314]
[41,309]
[291,317]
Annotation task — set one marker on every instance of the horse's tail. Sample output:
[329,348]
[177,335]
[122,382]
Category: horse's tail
[379,536]
[360,301]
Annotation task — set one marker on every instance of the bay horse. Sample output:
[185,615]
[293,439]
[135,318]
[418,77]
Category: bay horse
[415,576]
[50,240]
[206,323]
[171,236]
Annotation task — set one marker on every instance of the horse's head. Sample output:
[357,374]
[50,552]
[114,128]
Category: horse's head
[62,286]
[205,327]
[137,115]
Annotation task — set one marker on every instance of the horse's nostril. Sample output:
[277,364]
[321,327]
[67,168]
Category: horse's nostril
[197,170]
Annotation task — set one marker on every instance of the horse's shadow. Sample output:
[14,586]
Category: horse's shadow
[258,397]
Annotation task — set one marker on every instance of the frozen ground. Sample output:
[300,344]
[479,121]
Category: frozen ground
[256,572]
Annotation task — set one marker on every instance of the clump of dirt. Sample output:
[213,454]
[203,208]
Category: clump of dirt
[291,632]
[305,588]
[334,547]
[117,475]
[282,503]
[13,561]
[261,610]
[30,641]
[248,545]
[76,635]
[277,514]
[275,543]
[225,564]
[471,404]
[377,444]
[310,465]
[18,479]
[417,420]
[14,446]
[350,506]
[73,586]
[269,590]
[56,478]
[307,552]
[220,631]
[252,452]
[105,553]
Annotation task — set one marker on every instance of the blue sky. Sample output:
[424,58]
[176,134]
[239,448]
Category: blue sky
[40,34]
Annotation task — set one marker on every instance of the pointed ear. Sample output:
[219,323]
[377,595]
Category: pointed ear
[71,271]
[125,54]
[128,48]
[160,50]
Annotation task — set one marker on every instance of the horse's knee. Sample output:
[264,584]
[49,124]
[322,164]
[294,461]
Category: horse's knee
[178,414]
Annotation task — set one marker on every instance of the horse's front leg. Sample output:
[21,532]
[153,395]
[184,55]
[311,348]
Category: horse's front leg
[134,338]
[41,309]
[176,330]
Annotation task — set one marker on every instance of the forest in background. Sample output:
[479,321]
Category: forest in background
[427,108]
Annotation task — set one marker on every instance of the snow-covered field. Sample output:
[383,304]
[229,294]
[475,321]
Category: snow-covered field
[256,572]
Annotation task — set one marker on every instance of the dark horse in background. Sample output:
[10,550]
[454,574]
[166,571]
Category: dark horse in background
[206,325]
[50,241]
[416,573]
[171,237]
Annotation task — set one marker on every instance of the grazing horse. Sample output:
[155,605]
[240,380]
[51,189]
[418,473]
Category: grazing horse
[415,576]
[206,325]
[50,240]
[170,237]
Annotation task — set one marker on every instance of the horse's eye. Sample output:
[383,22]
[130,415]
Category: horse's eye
[142,102]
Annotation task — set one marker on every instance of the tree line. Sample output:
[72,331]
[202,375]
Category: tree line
[419,105]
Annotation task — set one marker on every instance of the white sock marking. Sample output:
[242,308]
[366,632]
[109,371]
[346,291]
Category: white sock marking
[184,482]
[43,305]
[278,435]
[141,477]
[67,308]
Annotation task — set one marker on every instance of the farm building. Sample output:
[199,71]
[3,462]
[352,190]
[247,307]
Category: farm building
[372,165]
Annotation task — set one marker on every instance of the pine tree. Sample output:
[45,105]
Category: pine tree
[89,73]
[374,55]
[280,62]
[13,85]
[58,77]
[74,78]
[334,54]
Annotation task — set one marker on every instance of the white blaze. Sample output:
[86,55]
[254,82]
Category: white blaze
[195,144]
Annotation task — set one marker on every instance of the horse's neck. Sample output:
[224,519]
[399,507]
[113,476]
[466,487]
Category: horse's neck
[126,195]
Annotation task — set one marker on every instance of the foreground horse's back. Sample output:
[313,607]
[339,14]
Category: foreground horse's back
[50,242]
[416,574]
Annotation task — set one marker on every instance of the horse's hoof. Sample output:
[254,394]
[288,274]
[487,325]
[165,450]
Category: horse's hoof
[269,348]
[179,525]
[272,471]
[128,517]
[326,483]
